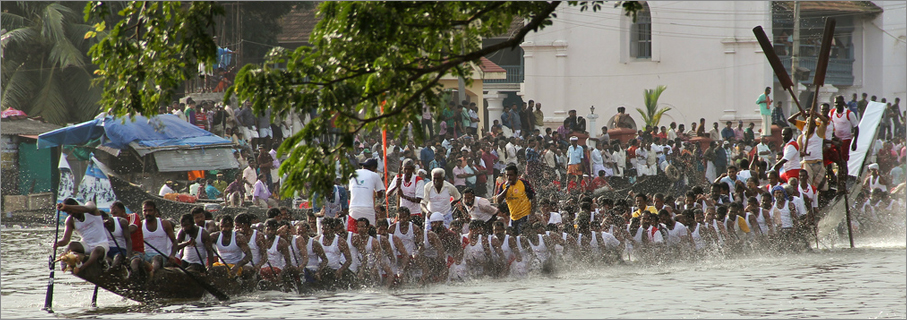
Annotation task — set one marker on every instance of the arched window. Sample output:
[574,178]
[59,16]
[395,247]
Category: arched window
[641,34]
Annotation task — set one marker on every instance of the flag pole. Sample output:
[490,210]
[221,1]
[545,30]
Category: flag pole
[384,156]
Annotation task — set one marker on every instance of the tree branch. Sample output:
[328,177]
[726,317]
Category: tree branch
[444,67]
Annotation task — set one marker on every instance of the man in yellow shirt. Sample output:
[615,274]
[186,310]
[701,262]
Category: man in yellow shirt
[518,194]
[642,204]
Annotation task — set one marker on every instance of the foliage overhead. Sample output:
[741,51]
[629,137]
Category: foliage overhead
[365,57]
[652,115]
[151,51]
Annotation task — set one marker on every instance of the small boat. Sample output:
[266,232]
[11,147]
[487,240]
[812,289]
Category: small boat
[133,195]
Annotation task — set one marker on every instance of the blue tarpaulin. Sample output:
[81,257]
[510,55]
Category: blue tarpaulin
[160,131]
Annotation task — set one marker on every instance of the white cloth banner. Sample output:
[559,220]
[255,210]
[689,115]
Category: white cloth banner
[868,125]
[67,183]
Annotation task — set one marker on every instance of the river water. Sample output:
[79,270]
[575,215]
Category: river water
[867,282]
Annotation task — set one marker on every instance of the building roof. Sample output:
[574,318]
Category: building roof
[488,66]
[832,7]
[515,25]
[27,127]
[298,25]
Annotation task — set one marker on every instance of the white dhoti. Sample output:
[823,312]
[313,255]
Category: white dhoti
[710,174]
[598,167]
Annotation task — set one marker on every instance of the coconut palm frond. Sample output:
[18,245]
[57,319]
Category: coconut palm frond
[657,118]
[64,54]
[52,24]
[50,102]
[19,36]
[19,89]
[76,33]
[10,21]
[644,114]
[83,96]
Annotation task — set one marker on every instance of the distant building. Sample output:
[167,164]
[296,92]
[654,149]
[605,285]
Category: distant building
[25,169]
[707,56]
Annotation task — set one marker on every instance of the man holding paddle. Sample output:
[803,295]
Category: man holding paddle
[87,221]
[158,237]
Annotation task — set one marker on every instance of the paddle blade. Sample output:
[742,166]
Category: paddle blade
[773,59]
[49,297]
[824,50]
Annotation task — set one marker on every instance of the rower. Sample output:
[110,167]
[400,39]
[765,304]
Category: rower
[335,251]
[407,233]
[514,257]
[784,215]
[243,223]
[232,247]
[540,245]
[157,233]
[200,217]
[135,232]
[89,226]
[372,256]
[313,259]
[119,238]
[387,243]
[678,234]
[196,245]
[476,250]
[433,255]
[352,242]
[277,259]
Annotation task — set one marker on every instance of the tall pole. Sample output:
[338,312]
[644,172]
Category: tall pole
[795,51]
[461,83]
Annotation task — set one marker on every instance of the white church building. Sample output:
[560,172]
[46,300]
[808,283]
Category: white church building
[706,55]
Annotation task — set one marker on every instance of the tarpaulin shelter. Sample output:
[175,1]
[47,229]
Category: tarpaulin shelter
[163,143]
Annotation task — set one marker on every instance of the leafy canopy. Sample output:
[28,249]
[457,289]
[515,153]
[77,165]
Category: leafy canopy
[365,57]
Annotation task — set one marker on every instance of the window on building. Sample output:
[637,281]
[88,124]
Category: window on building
[641,35]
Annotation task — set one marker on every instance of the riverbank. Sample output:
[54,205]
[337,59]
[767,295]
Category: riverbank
[27,218]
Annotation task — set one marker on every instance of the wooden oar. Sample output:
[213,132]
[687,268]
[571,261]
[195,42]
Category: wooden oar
[777,66]
[819,80]
[94,297]
[49,296]
[208,287]
[296,278]
[229,273]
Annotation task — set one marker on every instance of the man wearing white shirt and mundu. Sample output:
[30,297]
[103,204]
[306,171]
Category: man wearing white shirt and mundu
[409,187]
[438,195]
[364,188]
[478,208]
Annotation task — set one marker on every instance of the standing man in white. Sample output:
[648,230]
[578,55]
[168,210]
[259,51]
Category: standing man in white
[364,188]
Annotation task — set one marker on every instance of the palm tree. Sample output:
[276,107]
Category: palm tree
[652,115]
[45,69]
